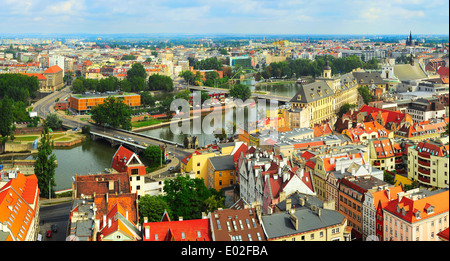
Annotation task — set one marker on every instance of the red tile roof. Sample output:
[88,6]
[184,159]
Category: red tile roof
[186,230]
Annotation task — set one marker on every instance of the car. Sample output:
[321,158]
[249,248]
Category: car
[49,233]
[137,142]
[54,228]
[168,161]
[171,168]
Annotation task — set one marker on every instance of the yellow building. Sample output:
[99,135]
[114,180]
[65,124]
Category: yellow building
[197,162]
[221,172]
[323,99]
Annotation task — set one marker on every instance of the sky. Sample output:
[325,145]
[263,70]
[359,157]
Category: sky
[297,17]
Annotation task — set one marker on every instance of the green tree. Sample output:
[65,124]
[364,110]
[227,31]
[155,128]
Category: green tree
[164,105]
[160,82]
[188,76]
[45,164]
[208,64]
[6,116]
[152,207]
[147,99]
[213,203]
[113,112]
[153,155]
[345,108]
[186,196]
[137,70]
[241,91]
[185,94]
[365,94]
[53,121]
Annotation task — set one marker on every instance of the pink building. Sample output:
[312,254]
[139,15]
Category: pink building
[416,215]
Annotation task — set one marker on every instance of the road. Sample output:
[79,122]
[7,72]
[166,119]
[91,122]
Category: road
[54,214]
[46,105]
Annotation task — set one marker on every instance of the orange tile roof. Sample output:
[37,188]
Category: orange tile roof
[40,76]
[17,199]
[117,224]
[53,69]
[384,196]
[440,201]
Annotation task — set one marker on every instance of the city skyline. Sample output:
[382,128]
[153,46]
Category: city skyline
[226,17]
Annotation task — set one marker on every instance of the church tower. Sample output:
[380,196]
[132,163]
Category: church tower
[327,70]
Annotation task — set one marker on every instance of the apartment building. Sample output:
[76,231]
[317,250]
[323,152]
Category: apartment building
[352,193]
[379,199]
[428,163]
[373,198]
[424,130]
[19,207]
[385,154]
[416,215]
[55,78]
[424,110]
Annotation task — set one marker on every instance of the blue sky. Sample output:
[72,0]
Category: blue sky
[225,16]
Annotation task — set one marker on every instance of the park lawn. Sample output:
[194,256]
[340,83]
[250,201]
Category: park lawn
[26,138]
[149,122]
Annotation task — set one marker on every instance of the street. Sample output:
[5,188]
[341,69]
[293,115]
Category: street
[54,214]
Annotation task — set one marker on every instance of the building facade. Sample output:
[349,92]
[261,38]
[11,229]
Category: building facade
[428,163]
[416,215]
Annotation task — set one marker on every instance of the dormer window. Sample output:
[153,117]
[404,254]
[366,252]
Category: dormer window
[429,209]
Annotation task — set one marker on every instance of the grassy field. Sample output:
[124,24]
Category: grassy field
[150,122]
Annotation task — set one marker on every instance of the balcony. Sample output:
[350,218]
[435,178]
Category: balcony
[424,163]
[398,154]
[423,179]
[424,155]
[424,171]
[398,161]
[376,163]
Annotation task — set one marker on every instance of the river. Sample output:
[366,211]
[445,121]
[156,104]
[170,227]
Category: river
[94,156]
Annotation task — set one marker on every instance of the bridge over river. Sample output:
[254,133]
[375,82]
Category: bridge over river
[254,94]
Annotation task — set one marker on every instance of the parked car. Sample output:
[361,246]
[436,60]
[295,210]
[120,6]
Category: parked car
[171,168]
[54,228]
[49,233]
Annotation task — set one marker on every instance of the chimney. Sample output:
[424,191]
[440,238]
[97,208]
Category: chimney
[180,218]
[319,211]
[104,220]
[145,219]
[109,222]
[147,232]
[288,204]
[126,214]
